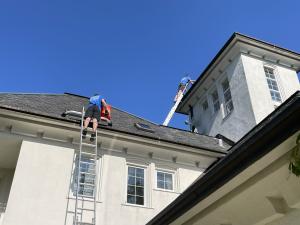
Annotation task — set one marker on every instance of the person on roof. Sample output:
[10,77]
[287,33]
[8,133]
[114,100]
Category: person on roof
[93,113]
[183,83]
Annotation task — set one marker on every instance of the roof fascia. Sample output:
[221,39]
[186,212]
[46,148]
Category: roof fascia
[232,41]
[263,138]
[69,124]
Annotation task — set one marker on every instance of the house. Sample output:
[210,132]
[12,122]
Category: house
[252,184]
[249,93]
[244,83]
[38,157]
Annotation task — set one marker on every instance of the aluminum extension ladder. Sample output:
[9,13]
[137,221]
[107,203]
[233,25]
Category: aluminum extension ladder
[178,100]
[87,177]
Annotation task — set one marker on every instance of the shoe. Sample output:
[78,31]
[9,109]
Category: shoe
[84,133]
[93,136]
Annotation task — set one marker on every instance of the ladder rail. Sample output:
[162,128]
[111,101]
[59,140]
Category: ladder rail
[96,177]
[78,168]
[82,155]
[173,109]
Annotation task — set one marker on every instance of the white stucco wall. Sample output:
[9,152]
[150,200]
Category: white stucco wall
[40,186]
[241,119]
[41,190]
[6,177]
[250,96]
[261,100]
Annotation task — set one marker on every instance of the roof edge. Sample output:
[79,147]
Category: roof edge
[272,131]
[235,35]
[115,130]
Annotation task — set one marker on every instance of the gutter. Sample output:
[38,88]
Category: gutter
[262,139]
[223,152]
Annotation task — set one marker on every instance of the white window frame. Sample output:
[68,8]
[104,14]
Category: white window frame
[215,90]
[204,102]
[276,102]
[226,103]
[166,172]
[98,178]
[145,184]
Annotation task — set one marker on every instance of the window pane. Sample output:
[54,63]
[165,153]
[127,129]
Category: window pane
[131,180]
[139,172]
[131,190]
[139,200]
[131,171]
[169,177]
[169,186]
[205,105]
[140,182]
[131,199]
[160,184]
[140,191]
[160,176]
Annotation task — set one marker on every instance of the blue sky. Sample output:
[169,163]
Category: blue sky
[134,52]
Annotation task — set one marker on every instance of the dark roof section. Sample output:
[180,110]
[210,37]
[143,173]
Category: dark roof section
[272,131]
[233,36]
[53,105]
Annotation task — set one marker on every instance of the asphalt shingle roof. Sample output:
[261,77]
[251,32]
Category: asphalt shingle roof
[53,105]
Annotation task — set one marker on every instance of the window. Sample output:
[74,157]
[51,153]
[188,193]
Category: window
[135,186]
[87,177]
[144,127]
[273,87]
[215,100]
[205,105]
[191,111]
[164,180]
[228,105]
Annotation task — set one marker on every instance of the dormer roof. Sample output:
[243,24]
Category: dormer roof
[237,44]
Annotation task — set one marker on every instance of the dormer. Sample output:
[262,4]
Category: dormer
[245,82]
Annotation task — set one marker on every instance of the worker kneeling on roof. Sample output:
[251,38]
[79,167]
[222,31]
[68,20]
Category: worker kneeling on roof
[93,112]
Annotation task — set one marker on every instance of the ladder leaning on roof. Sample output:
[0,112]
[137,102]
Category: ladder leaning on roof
[86,177]
[180,94]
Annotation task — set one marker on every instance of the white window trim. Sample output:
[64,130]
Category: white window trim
[278,82]
[99,175]
[223,104]
[146,184]
[173,173]
[215,89]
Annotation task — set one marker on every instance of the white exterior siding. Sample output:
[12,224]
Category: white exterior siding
[250,94]
[261,101]
[241,119]
[40,187]
[41,192]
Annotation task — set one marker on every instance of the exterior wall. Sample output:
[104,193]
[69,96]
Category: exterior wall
[240,120]
[250,96]
[291,218]
[40,185]
[42,191]
[261,100]
[6,177]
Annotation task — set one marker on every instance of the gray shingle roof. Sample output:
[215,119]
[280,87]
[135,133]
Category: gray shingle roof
[53,105]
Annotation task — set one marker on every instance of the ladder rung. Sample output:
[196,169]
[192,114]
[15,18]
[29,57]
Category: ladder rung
[88,173]
[89,145]
[85,223]
[88,153]
[85,209]
[82,162]
[85,196]
[87,184]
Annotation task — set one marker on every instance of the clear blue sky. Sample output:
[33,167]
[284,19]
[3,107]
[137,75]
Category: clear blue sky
[134,52]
